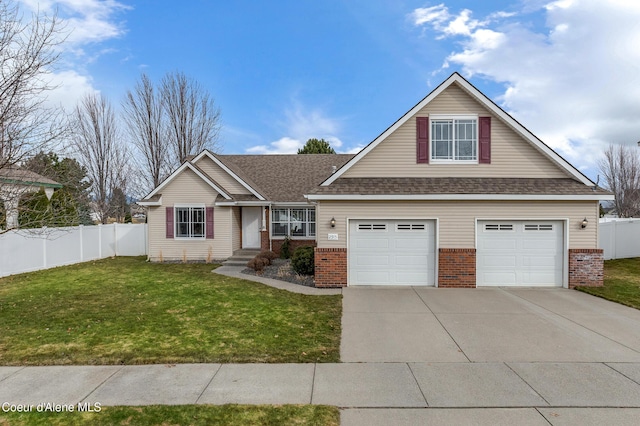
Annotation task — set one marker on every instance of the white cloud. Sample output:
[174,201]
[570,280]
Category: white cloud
[575,82]
[86,21]
[84,24]
[300,124]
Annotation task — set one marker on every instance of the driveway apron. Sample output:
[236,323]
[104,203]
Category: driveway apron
[422,324]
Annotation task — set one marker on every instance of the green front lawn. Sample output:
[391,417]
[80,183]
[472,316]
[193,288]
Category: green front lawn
[621,282]
[128,311]
[185,415]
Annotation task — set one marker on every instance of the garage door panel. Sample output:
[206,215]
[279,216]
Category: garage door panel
[500,243]
[534,257]
[408,244]
[371,244]
[539,261]
[372,260]
[498,278]
[412,260]
[380,277]
[499,261]
[411,278]
[394,251]
[544,245]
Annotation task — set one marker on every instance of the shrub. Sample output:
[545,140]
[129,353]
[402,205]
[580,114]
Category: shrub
[302,260]
[257,264]
[285,249]
[268,254]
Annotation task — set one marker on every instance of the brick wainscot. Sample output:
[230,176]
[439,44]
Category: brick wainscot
[457,268]
[331,267]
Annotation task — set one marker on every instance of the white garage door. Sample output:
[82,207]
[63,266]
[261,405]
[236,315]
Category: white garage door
[520,253]
[391,252]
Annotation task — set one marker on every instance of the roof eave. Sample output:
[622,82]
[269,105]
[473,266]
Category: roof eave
[459,197]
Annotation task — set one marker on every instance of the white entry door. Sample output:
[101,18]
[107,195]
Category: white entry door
[520,253]
[391,252]
[251,227]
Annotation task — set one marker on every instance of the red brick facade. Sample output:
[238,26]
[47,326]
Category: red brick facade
[331,267]
[293,244]
[457,268]
[586,267]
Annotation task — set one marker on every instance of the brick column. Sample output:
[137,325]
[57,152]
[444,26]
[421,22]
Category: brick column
[586,267]
[331,267]
[457,268]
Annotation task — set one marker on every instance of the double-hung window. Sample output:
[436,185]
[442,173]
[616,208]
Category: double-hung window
[454,138]
[293,222]
[190,222]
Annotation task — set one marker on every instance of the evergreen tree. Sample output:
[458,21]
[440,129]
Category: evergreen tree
[316,146]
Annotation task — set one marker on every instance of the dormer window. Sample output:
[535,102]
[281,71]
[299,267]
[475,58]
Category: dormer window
[454,138]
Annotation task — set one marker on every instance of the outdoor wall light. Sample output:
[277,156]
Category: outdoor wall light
[584,223]
[332,222]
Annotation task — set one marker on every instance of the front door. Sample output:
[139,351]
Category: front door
[251,227]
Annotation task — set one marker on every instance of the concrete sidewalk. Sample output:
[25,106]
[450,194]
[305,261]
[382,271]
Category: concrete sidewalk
[347,385]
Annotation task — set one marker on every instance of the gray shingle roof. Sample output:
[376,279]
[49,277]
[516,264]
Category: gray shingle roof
[451,185]
[284,178]
[26,177]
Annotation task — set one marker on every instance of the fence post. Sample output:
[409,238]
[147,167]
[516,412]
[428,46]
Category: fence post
[99,241]
[115,238]
[80,228]
[44,249]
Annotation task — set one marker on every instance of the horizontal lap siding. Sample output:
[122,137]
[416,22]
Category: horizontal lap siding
[511,155]
[188,188]
[220,176]
[456,219]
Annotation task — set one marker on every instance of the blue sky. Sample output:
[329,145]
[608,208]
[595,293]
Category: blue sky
[284,71]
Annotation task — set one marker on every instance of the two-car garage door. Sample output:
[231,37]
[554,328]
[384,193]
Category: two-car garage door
[508,253]
[391,252]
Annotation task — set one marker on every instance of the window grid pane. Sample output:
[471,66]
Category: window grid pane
[295,222]
[454,139]
[190,222]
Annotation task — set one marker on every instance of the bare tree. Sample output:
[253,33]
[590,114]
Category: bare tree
[192,118]
[620,167]
[142,111]
[28,51]
[97,142]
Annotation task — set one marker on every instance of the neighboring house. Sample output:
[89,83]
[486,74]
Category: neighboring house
[456,193]
[16,182]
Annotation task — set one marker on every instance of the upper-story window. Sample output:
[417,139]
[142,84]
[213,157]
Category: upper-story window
[454,138]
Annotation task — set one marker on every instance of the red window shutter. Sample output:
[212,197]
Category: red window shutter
[484,140]
[209,224]
[169,222]
[422,140]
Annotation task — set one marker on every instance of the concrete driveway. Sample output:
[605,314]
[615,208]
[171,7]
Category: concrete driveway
[418,324]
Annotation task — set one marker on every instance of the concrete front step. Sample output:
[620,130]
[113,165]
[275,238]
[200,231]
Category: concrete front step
[241,257]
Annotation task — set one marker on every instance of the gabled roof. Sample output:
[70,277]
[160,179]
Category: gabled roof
[236,174]
[202,175]
[456,78]
[454,188]
[285,178]
[282,178]
[17,176]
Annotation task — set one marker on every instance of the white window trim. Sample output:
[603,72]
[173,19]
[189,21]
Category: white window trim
[434,117]
[175,222]
[292,207]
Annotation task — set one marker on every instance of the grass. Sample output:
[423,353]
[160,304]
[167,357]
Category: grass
[128,311]
[185,415]
[621,282]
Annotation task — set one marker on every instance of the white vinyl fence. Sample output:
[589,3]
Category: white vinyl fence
[619,238]
[32,250]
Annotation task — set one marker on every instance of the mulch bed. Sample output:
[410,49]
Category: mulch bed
[281,270]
